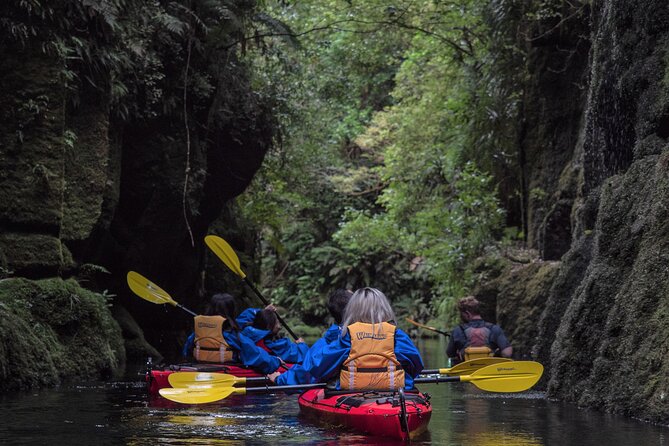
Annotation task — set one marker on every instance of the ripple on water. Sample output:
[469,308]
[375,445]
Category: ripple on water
[507,396]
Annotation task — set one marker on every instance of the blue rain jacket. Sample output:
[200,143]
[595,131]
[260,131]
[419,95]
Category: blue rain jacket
[327,363]
[247,316]
[281,347]
[245,352]
[299,373]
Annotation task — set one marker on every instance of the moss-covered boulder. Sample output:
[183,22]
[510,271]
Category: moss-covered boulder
[54,331]
[136,346]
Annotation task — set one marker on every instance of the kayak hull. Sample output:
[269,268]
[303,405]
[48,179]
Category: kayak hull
[376,414]
[157,378]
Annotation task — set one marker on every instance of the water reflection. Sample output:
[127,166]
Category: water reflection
[504,439]
[123,414]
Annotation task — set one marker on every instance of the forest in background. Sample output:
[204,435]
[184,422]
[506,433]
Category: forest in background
[398,163]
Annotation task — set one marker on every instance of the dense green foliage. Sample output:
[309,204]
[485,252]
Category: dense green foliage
[376,182]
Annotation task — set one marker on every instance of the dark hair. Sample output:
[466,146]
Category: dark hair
[470,304]
[223,304]
[265,320]
[337,302]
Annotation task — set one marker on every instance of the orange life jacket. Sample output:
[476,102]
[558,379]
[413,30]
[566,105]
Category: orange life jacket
[210,345]
[371,363]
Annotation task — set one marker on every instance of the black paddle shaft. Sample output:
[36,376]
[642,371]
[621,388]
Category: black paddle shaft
[439,379]
[186,310]
[281,321]
[270,389]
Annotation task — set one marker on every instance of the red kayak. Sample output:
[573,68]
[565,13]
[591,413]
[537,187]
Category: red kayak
[374,413]
[157,376]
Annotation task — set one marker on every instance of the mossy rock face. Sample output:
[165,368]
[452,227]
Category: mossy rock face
[86,172]
[31,143]
[35,254]
[55,331]
[523,293]
[610,349]
[516,298]
[570,274]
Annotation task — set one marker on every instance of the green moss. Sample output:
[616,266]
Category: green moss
[31,143]
[85,173]
[522,295]
[34,252]
[54,330]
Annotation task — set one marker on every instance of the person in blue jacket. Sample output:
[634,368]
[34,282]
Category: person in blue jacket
[263,332]
[243,349]
[299,374]
[367,308]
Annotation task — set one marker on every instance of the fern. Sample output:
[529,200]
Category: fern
[172,24]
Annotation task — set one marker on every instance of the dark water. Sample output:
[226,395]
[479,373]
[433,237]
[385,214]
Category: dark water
[122,414]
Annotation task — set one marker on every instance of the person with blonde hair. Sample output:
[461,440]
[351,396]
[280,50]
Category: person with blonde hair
[371,353]
[476,338]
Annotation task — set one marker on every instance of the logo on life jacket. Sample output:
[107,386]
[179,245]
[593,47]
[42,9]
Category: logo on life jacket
[201,324]
[366,335]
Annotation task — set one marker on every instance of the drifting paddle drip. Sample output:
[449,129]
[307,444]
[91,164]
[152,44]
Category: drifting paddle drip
[514,376]
[224,251]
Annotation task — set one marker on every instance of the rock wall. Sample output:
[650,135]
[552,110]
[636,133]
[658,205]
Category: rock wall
[603,333]
[94,149]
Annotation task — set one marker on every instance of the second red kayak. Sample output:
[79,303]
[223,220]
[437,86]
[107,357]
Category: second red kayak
[373,413]
[157,377]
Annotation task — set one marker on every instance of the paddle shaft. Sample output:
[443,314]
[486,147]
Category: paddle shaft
[418,324]
[262,298]
[432,380]
[432,371]
[266,389]
[437,379]
[185,309]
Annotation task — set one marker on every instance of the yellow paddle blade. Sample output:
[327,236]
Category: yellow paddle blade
[148,290]
[203,380]
[469,367]
[200,396]
[514,376]
[225,252]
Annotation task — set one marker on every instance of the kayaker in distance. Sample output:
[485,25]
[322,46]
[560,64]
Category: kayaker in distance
[217,339]
[263,330]
[476,338]
[371,352]
[299,374]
